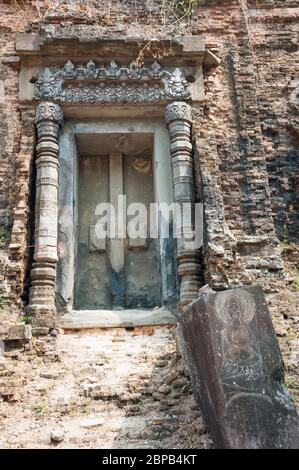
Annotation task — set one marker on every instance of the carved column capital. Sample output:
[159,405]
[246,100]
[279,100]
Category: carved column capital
[48,111]
[178,110]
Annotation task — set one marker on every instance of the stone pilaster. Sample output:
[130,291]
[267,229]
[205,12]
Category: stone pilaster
[178,119]
[42,293]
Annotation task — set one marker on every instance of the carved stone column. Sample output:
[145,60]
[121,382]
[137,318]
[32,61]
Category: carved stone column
[48,120]
[178,119]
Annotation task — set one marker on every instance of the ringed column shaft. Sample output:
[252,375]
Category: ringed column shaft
[48,120]
[179,119]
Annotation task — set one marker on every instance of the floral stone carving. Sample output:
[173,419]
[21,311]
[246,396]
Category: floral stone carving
[92,83]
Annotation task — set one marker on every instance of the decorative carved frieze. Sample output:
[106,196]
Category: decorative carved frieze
[48,120]
[178,119]
[92,83]
[113,93]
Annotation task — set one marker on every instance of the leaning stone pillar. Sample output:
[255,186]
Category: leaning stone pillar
[42,293]
[231,350]
[178,119]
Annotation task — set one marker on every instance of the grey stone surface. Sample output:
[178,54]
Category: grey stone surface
[2,348]
[15,332]
[231,350]
[57,436]
[100,58]
[96,243]
[138,84]
[142,263]
[112,318]
[193,45]
[27,43]
[92,267]
[88,138]
[18,332]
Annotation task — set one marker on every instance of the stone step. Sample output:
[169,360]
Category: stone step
[82,319]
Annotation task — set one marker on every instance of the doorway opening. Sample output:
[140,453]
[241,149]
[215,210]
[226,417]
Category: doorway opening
[115,273]
[105,282]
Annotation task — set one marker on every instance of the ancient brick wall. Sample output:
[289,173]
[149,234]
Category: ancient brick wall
[275,46]
[17,146]
[251,139]
[246,137]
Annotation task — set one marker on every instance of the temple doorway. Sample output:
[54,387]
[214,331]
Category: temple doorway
[121,271]
[115,280]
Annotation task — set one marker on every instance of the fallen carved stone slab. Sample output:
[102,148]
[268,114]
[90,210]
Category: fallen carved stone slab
[230,348]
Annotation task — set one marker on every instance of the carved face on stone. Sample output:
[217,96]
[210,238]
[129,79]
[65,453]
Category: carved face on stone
[176,86]
[234,310]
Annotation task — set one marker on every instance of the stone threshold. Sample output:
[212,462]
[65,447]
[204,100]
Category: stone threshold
[80,319]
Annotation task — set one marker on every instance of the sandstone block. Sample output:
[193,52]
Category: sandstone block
[237,371]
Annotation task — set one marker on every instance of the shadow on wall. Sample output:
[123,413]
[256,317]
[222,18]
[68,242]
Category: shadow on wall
[283,174]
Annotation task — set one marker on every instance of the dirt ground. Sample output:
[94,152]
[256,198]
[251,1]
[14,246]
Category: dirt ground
[116,389]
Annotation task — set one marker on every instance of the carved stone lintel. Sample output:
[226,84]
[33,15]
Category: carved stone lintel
[178,119]
[48,120]
[92,83]
[113,93]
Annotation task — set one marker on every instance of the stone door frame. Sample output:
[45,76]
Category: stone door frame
[67,216]
[62,87]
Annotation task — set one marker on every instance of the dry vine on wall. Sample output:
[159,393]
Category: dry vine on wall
[170,11]
[153,18]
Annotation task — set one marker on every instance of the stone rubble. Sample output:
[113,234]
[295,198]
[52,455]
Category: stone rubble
[114,388]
